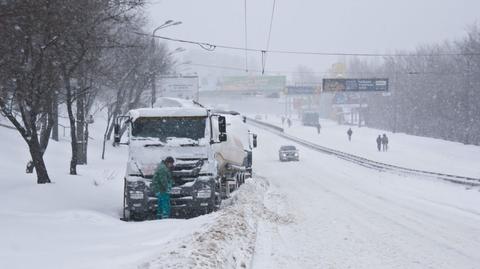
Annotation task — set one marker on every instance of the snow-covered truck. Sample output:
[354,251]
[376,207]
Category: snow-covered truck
[207,159]
[236,124]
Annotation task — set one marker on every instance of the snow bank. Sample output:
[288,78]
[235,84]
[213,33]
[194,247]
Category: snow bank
[228,241]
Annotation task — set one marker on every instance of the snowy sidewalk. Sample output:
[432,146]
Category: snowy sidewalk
[410,151]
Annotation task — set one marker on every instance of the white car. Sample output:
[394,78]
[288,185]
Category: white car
[288,153]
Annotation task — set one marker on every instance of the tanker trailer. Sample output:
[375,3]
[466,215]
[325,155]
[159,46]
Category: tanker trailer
[234,157]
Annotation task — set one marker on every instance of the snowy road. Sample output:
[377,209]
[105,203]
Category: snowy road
[335,214]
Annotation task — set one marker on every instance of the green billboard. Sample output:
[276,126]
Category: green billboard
[253,83]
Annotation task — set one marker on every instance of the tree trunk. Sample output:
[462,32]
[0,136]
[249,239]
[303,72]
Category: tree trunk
[109,117]
[80,128]
[73,132]
[37,157]
[55,118]
[46,131]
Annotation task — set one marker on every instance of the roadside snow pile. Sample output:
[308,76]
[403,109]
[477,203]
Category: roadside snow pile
[229,241]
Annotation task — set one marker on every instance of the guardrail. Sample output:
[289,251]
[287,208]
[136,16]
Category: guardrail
[471,181]
[271,126]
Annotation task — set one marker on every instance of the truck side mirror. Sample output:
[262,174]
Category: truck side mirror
[116,131]
[254,141]
[222,124]
[222,137]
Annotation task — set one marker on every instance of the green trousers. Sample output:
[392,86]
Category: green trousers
[163,205]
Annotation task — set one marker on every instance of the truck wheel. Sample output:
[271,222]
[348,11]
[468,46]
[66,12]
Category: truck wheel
[126,212]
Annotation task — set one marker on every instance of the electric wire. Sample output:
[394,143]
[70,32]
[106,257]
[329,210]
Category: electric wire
[264,53]
[212,47]
[320,72]
[246,36]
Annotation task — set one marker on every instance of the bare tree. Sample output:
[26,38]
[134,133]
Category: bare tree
[129,76]
[435,91]
[86,28]
[27,79]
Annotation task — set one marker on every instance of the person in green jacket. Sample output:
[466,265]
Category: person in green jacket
[161,185]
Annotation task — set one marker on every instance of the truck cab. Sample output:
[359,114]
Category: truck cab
[187,133]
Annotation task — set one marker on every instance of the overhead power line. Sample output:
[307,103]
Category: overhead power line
[320,72]
[264,53]
[212,47]
[246,36]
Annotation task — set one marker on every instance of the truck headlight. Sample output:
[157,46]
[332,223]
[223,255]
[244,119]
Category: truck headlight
[296,154]
[136,195]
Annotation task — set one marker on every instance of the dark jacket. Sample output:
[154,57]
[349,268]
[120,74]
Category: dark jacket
[162,179]
[379,140]
[384,139]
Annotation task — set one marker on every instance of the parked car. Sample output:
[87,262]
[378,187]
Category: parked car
[288,153]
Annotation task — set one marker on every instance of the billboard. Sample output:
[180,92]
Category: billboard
[302,90]
[253,83]
[185,87]
[355,85]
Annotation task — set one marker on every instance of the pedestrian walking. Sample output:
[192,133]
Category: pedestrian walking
[385,142]
[283,120]
[349,133]
[161,185]
[379,142]
[289,122]
[318,128]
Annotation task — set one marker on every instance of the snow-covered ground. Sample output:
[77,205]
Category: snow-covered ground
[410,151]
[335,214]
[321,212]
[74,222]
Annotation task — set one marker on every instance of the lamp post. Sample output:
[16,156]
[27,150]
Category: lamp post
[154,87]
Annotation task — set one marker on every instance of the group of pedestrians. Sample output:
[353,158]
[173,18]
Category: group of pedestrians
[382,142]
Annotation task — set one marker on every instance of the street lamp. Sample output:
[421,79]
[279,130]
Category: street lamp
[165,25]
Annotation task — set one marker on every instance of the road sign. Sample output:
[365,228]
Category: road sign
[185,87]
[302,90]
[355,85]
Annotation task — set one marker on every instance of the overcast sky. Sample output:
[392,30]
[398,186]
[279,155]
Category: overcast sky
[357,26]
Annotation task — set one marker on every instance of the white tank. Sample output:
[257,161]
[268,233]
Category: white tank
[232,151]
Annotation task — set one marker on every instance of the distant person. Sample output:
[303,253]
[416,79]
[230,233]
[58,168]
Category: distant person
[283,120]
[161,185]
[385,142]
[379,142]
[318,128]
[289,122]
[349,133]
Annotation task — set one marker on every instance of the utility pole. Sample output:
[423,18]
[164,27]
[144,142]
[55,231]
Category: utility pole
[394,98]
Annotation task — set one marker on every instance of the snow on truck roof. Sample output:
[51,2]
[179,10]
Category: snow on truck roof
[170,107]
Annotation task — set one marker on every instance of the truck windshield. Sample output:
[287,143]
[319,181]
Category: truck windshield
[162,128]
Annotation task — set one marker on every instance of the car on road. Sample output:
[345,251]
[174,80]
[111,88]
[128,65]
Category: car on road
[288,153]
